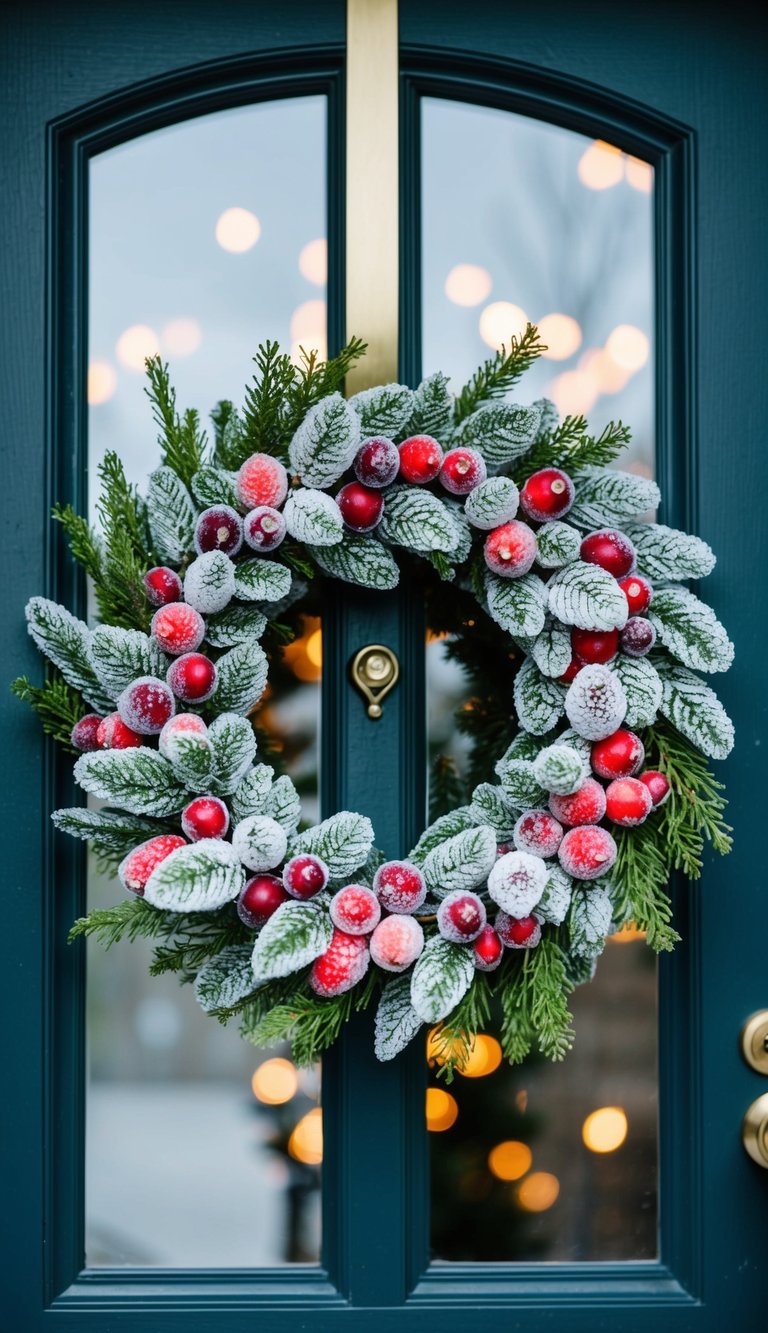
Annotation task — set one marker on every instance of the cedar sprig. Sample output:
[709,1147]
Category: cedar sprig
[182,442]
[263,425]
[57,704]
[569,445]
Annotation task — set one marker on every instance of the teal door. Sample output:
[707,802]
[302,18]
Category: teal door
[676,90]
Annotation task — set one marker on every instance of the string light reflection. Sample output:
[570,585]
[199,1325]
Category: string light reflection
[102,382]
[275,1082]
[500,321]
[605,1129]
[306,1141]
[237,230]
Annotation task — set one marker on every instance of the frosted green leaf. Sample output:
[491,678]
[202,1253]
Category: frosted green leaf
[171,515]
[416,518]
[522,746]
[138,780]
[519,784]
[313,517]
[605,498]
[665,553]
[587,596]
[251,793]
[642,686]
[215,486]
[261,581]
[492,503]
[397,1022]
[64,639]
[259,842]
[226,978]
[282,804]
[552,651]
[539,701]
[595,702]
[326,442]
[557,544]
[501,432]
[235,625]
[461,862]
[455,821]
[111,831]
[384,410]
[209,583]
[293,937]
[242,676]
[589,920]
[550,417]
[518,605]
[191,758]
[560,769]
[233,750]
[556,899]
[690,630]
[490,806]
[442,976]
[120,656]
[196,878]
[361,560]
[343,841]
[695,710]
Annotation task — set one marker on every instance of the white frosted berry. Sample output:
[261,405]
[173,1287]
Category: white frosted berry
[596,703]
[209,583]
[355,909]
[560,769]
[259,842]
[460,916]
[517,881]
[537,832]
[587,852]
[183,724]
[397,942]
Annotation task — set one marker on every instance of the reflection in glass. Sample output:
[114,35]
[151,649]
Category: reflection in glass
[555,1162]
[205,239]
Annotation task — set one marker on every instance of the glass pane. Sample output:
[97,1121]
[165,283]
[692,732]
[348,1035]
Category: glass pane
[549,226]
[206,238]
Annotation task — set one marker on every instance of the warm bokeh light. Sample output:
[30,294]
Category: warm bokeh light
[606,375]
[574,393]
[627,934]
[237,230]
[306,1141]
[181,337]
[468,284]
[304,657]
[275,1082]
[562,335]
[538,1191]
[500,321]
[313,261]
[308,322]
[510,1160]
[605,1130]
[102,382]
[442,1110]
[314,648]
[134,346]
[639,174]
[601,165]
[482,1059]
[628,347]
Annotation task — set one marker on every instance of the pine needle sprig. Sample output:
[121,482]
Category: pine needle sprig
[125,558]
[315,379]
[570,446]
[129,920]
[56,703]
[265,401]
[694,812]
[500,373]
[182,442]
[535,1005]
[310,1023]
[82,539]
[638,881]
[198,939]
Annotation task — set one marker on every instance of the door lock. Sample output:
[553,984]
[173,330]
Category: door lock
[754,1041]
[375,671]
[754,1130]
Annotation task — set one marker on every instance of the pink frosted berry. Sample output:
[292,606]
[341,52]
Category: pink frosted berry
[219,528]
[510,550]
[182,724]
[305,875]
[637,637]
[517,882]
[657,784]
[377,462]
[135,869]
[538,832]
[355,909]
[628,802]
[399,886]
[113,734]
[84,734]
[146,705]
[264,528]
[344,963]
[587,852]
[205,817]
[462,470]
[460,917]
[397,942]
[178,628]
[488,950]
[162,585]
[193,678]
[518,932]
[262,480]
[585,806]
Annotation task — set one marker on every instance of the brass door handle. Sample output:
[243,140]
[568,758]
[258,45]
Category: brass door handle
[754,1130]
[375,671]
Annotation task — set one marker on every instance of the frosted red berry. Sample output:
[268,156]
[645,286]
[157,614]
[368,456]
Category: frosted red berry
[547,494]
[638,592]
[205,817]
[460,916]
[361,507]
[609,549]
[113,734]
[420,459]
[259,899]
[344,963]
[587,853]
[355,909]
[264,528]
[571,671]
[85,733]
[262,480]
[638,636]
[619,755]
[193,678]
[488,950]
[518,932]
[182,724]
[377,462]
[538,832]
[657,784]
[146,705]
[162,585]
[585,806]
[219,528]
[595,645]
[399,886]
[627,802]
[462,470]
[178,629]
[510,550]
[305,875]
[397,942]
[135,869]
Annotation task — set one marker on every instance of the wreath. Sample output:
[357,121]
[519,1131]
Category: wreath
[578,802]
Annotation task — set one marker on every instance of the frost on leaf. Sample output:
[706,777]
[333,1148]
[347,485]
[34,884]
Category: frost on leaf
[293,937]
[550,417]
[209,583]
[519,784]
[416,518]
[138,780]
[432,408]
[384,410]
[501,432]
[326,442]
[490,806]
[233,750]
[442,976]
[196,878]
[588,597]
[589,921]
[225,979]
[604,498]
[242,676]
[642,686]
[560,769]
[112,832]
[695,710]
[343,841]
[666,553]
[518,605]
[63,639]
[190,756]
[259,842]
[461,862]
[539,701]
[556,899]
[119,656]
[446,826]
[552,651]
[522,746]
[282,804]
[252,791]
[214,486]
[493,502]
[396,1019]
[517,882]
[262,581]
[171,515]
[236,624]
[557,544]
[596,703]
[690,630]
[361,560]
[313,517]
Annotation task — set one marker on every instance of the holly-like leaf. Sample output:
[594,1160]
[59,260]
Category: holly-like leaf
[455,821]
[313,517]
[555,901]
[500,431]
[695,710]
[432,408]
[416,518]
[251,793]
[442,976]
[519,784]
[138,780]
[262,581]
[233,750]
[343,841]
[493,502]
[552,651]
[293,937]
[642,686]
[384,410]
[282,804]
[326,442]
[461,862]
[361,560]
[539,701]
[690,630]
[64,640]
[235,625]
[557,544]
[215,486]
[171,515]
[518,605]
[589,920]
[587,596]
[197,878]
[665,553]
[397,1022]
[605,499]
[225,979]
[120,656]
[242,677]
[490,806]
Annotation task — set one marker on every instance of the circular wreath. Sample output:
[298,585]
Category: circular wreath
[582,798]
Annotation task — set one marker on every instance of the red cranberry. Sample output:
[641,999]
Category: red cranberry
[638,592]
[113,734]
[627,802]
[609,549]
[462,470]
[377,462]
[219,528]
[571,671]
[305,875]
[264,528]
[192,677]
[460,916]
[205,817]
[420,459]
[162,585]
[657,784]
[85,732]
[488,950]
[595,645]
[618,755]
[638,636]
[259,899]
[361,508]
[510,550]
[146,705]
[547,494]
